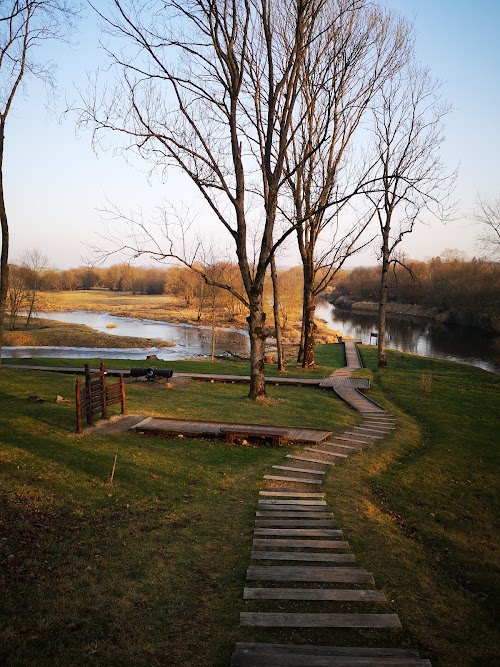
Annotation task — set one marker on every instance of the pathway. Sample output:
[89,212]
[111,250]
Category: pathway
[300,557]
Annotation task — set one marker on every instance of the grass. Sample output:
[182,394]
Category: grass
[150,571]
[421,511]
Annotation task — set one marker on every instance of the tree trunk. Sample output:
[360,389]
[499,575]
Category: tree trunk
[256,321]
[382,309]
[309,305]
[4,257]
[300,353]
[277,324]
[309,329]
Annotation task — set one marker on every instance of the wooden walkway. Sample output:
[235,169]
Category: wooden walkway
[218,429]
[300,557]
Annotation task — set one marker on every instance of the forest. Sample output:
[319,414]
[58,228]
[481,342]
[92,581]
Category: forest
[451,288]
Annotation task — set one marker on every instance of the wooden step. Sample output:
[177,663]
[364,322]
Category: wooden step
[369,429]
[326,451]
[307,470]
[297,532]
[295,620]
[363,435]
[303,458]
[298,502]
[345,575]
[345,438]
[283,514]
[294,655]
[352,448]
[297,480]
[331,594]
[296,523]
[301,544]
[302,556]
[291,494]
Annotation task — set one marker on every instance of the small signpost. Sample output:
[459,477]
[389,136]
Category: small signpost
[96,395]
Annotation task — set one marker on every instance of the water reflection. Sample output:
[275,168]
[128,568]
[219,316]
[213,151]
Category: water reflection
[419,336]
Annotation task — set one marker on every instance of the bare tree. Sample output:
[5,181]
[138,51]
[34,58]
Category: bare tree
[211,87]
[408,128]
[34,263]
[24,26]
[361,46]
[487,214]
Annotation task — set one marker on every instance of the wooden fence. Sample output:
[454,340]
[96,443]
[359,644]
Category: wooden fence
[96,395]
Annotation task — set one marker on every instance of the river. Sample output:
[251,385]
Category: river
[418,336]
[190,341]
[414,335]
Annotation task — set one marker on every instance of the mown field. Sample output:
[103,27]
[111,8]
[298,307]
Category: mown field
[150,571]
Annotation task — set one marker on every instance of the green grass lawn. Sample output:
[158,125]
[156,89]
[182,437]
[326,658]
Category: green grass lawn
[422,510]
[150,571]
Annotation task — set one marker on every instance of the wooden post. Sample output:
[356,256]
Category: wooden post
[104,404]
[88,384]
[122,392]
[79,427]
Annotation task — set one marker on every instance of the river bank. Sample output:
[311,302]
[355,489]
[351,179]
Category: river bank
[50,333]
[449,317]
[163,308]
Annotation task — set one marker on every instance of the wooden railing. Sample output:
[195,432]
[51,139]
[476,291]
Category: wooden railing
[96,395]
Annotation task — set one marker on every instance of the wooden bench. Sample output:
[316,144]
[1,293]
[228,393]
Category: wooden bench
[247,431]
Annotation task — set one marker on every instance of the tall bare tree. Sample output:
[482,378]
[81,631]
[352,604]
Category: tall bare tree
[361,46]
[25,25]
[211,87]
[408,119]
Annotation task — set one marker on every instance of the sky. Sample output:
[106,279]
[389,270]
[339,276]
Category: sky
[56,184]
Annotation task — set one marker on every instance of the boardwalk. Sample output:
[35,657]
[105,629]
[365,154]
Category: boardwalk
[301,557]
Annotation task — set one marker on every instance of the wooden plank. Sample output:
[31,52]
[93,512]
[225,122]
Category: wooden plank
[362,435]
[236,429]
[301,503]
[291,494]
[338,444]
[296,523]
[297,532]
[333,651]
[295,515]
[297,480]
[302,556]
[287,508]
[307,470]
[332,594]
[344,575]
[275,660]
[301,544]
[351,439]
[304,458]
[294,620]
[327,452]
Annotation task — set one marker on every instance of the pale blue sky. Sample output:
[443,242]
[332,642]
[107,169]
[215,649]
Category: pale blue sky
[55,183]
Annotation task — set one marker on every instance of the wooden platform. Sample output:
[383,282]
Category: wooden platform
[217,429]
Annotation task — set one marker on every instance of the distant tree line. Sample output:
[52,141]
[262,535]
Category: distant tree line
[465,290]
[31,278]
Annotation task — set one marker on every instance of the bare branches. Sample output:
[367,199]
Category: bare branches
[487,214]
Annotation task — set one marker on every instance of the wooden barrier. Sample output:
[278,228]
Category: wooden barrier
[96,395]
